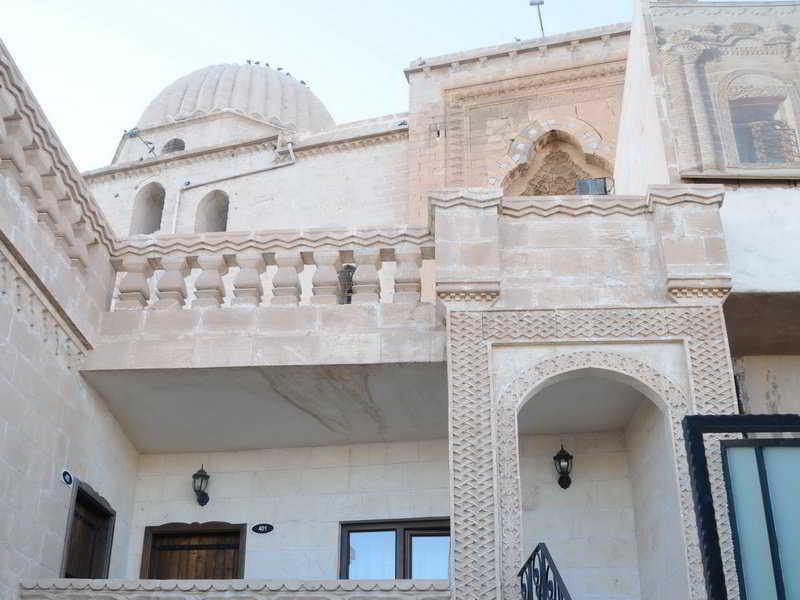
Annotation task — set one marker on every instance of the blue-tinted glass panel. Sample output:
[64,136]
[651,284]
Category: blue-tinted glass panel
[783,475]
[751,523]
[430,556]
[372,555]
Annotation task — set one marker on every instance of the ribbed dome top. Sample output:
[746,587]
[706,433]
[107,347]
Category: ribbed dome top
[253,90]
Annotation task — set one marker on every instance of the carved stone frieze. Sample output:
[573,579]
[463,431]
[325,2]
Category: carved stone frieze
[486,537]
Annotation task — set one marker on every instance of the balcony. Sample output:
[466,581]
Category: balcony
[141,589]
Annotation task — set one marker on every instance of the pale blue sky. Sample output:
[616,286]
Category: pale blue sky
[95,64]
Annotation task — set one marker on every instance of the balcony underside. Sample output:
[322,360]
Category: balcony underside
[240,408]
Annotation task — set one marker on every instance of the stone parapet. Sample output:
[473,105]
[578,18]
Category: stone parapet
[368,333]
[190,270]
[141,589]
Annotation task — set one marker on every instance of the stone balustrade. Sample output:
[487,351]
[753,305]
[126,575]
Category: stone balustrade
[282,268]
[141,589]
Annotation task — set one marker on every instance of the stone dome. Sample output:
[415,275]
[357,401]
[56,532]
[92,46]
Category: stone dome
[252,90]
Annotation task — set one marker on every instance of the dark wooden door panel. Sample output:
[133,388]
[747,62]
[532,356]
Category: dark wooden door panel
[208,551]
[89,538]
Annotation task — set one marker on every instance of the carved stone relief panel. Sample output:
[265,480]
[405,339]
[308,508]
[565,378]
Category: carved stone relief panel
[483,121]
[731,76]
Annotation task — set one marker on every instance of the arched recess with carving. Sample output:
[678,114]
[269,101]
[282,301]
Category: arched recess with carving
[148,209]
[660,390]
[759,119]
[523,150]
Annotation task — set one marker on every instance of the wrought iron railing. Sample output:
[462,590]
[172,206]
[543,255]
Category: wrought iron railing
[539,578]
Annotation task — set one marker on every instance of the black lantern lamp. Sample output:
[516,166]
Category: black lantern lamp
[199,485]
[563,464]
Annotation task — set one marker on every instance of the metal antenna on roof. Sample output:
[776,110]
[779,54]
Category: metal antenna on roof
[538,4]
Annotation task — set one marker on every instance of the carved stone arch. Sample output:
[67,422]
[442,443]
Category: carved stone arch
[725,92]
[658,388]
[523,147]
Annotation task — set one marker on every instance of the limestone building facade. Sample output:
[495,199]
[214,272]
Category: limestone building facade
[265,355]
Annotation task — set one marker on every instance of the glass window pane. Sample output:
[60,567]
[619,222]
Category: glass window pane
[751,523]
[429,556]
[783,464]
[372,555]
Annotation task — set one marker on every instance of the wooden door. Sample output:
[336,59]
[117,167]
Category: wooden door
[207,551]
[89,543]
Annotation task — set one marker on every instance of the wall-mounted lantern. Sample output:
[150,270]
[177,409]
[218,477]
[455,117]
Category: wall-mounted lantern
[563,463]
[199,485]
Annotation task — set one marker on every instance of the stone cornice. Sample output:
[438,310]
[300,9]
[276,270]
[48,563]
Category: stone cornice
[546,206]
[517,207]
[43,166]
[301,240]
[460,95]
[516,48]
[689,8]
[473,197]
[212,153]
[235,585]
[706,194]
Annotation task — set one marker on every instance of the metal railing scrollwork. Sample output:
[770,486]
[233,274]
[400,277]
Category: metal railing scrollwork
[539,578]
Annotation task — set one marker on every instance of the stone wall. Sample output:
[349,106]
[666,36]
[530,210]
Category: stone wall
[304,492]
[641,158]
[467,108]
[769,384]
[352,185]
[50,420]
[660,549]
[588,528]
[761,224]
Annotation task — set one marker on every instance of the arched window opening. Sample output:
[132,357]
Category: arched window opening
[212,212]
[148,208]
[556,165]
[174,145]
[763,119]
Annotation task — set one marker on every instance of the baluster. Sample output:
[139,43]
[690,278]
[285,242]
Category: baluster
[209,288]
[366,283]
[325,285]
[134,288]
[247,287]
[171,287]
[407,278]
[286,282]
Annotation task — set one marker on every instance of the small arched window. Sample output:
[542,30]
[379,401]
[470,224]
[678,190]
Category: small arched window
[212,212]
[148,208]
[174,145]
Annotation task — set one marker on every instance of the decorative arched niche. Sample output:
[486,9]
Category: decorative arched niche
[148,209]
[548,157]
[759,119]
[668,400]
[212,212]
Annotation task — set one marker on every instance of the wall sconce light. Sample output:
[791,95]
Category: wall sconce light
[199,485]
[563,463]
